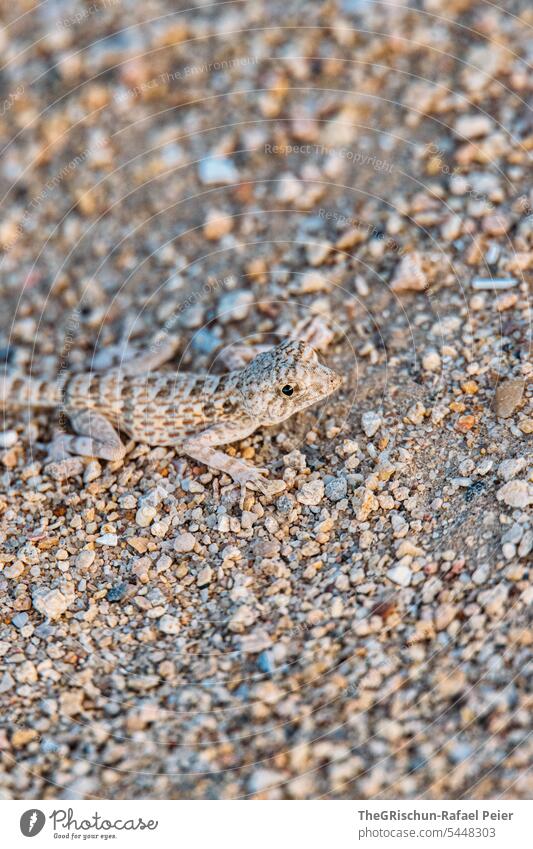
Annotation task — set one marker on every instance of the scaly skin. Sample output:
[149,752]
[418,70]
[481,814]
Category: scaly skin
[193,412]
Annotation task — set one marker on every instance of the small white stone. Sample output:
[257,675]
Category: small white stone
[509,468]
[431,361]
[159,529]
[234,306]
[516,493]
[370,422]
[85,558]
[312,281]
[145,515]
[184,542]
[247,519]
[485,466]
[444,614]
[204,576]
[509,550]
[92,471]
[526,544]
[481,574]
[107,539]
[51,603]
[243,617]
[262,779]
[493,599]
[8,438]
[488,283]
[217,171]
[409,274]
[169,624]
[473,126]
[223,524]
[311,493]
[400,575]
[416,413]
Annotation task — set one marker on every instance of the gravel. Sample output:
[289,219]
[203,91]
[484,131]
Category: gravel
[365,633]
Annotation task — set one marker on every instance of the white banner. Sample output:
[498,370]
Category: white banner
[267,824]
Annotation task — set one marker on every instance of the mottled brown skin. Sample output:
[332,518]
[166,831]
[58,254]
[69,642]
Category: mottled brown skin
[193,412]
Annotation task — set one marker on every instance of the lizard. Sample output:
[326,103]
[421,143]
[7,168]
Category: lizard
[194,412]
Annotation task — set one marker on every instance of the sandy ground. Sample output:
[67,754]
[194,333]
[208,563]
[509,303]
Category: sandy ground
[222,174]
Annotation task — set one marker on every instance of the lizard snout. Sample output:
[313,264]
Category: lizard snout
[330,379]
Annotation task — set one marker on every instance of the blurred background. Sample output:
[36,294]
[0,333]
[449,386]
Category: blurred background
[222,172]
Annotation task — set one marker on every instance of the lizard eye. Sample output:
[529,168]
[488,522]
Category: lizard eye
[288,390]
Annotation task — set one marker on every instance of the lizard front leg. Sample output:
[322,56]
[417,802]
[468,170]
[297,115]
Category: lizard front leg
[96,438]
[201,447]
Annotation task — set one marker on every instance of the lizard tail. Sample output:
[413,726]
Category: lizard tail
[19,390]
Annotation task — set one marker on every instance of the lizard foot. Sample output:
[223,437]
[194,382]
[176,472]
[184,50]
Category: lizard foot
[257,478]
[57,451]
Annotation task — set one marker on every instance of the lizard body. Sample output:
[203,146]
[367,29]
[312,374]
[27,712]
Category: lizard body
[193,412]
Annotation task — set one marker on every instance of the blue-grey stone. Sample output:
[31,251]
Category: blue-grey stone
[336,489]
[19,620]
[117,592]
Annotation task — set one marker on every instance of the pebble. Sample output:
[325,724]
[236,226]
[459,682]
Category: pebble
[409,275]
[431,361]
[205,341]
[482,284]
[473,126]
[85,558]
[510,468]
[93,470]
[370,422]
[159,529]
[192,317]
[7,682]
[169,624]
[508,396]
[8,438]
[311,493]
[184,543]
[51,603]
[117,592]
[262,779]
[243,618]
[217,225]
[516,493]
[20,620]
[145,515]
[234,306]
[400,575]
[107,539]
[484,467]
[336,489]
[71,702]
[526,544]
[22,737]
[444,614]
[69,468]
[312,281]
[294,649]
[217,171]
[493,599]
[481,574]
[204,576]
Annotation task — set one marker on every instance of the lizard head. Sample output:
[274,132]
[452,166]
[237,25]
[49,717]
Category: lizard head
[284,380]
